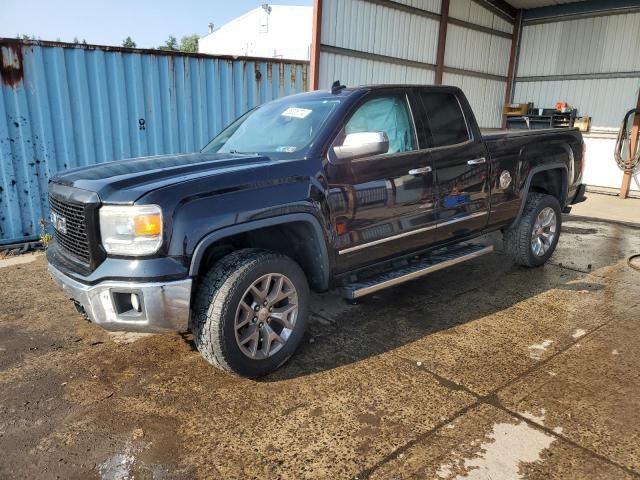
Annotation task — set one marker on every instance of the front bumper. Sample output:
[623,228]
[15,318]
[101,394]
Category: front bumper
[163,306]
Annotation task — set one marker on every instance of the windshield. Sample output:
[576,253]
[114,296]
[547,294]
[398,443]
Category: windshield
[282,129]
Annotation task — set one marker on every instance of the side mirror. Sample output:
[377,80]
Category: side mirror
[362,144]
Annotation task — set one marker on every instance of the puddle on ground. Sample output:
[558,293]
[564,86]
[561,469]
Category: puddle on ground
[117,467]
[502,453]
[537,349]
[579,333]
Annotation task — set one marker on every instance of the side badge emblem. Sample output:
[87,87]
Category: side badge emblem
[505,180]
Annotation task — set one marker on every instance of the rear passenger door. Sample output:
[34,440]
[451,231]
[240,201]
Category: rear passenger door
[460,162]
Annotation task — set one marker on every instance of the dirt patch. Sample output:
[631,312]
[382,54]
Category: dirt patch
[579,231]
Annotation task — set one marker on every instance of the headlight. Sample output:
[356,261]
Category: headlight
[131,230]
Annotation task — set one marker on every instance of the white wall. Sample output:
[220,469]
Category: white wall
[285,32]
[602,171]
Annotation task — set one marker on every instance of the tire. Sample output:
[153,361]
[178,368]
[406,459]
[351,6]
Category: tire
[217,306]
[518,241]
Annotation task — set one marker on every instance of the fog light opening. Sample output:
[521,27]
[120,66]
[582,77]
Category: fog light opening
[135,302]
[127,303]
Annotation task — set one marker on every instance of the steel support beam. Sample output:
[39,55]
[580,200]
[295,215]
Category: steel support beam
[315,44]
[500,8]
[442,41]
[633,145]
[513,57]
[578,10]
[578,76]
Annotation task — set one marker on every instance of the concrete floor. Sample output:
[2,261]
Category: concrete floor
[609,207]
[485,370]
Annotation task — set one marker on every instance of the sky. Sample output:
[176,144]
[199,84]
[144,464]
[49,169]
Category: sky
[109,22]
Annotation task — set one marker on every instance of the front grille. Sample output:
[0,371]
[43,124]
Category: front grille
[75,240]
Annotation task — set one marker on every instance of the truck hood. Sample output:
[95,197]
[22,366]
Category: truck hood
[124,181]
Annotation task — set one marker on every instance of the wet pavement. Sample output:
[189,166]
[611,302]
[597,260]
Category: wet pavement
[485,370]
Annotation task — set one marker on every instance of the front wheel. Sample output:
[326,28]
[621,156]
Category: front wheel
[532,241]
[250,312]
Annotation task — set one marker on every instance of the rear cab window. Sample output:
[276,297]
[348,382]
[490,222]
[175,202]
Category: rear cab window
[444,120]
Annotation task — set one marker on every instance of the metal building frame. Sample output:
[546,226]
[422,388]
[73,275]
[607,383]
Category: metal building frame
[498,7]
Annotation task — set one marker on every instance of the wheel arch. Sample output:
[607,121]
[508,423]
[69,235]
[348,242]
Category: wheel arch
[551,179]
[301,237]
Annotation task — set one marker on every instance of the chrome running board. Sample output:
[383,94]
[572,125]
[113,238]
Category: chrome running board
[425,266]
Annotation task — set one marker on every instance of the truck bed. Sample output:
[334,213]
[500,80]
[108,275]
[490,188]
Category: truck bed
[489,134]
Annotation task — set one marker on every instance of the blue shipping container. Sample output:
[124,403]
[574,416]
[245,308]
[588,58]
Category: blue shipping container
[66,105]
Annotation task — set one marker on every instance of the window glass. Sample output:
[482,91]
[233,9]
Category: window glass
[445,118]
[284,128]
[385,114]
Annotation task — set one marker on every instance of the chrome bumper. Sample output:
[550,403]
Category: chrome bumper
[163,306]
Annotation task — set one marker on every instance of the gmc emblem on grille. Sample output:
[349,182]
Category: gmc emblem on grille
[59,222]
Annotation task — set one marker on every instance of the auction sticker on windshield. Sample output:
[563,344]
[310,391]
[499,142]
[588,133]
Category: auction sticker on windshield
[296,112]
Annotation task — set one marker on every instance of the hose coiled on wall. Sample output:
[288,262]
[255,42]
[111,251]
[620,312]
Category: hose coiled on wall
[631,162]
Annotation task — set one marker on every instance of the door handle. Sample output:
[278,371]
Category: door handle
[477,161]
[419,171]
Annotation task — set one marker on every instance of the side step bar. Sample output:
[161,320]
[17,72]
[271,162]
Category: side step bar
[415,270]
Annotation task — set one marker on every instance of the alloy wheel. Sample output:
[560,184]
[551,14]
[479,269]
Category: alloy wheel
[544,231]
[266,316]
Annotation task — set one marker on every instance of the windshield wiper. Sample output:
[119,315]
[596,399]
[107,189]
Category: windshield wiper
[237,152]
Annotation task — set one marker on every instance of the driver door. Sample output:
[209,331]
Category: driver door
[382,205]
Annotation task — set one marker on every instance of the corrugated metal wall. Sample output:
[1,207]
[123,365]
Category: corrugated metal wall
[481,52]
[401,46]
[472,12]
[561,61]
[593,63]
[605,100]
[486,97]
[359,71]
[63,106]
[381,41]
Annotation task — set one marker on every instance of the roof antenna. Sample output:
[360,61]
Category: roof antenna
[336,87]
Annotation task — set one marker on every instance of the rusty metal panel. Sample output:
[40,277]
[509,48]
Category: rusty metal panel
[486,97]
[64,106]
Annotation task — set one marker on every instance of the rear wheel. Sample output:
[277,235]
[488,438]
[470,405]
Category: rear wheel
[250,312]
[532,241]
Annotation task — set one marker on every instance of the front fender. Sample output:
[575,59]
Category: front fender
[320,239]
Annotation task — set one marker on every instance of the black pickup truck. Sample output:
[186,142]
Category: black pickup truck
[354,188]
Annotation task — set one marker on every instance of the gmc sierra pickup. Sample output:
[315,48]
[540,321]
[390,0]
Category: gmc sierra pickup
[356,188]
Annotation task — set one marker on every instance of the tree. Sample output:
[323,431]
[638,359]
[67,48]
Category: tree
[171,44]
[189,44]
[129,43]
[75,40]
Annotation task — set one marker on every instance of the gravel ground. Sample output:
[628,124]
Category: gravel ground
[485,370]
